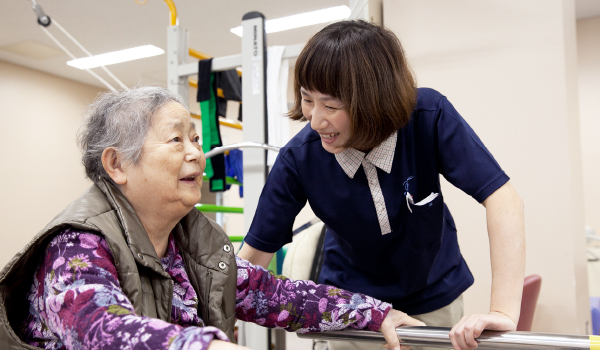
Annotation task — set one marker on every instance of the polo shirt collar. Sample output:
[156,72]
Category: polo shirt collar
[381,156]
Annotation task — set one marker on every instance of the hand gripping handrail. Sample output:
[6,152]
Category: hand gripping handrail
[223,149]
[438,337]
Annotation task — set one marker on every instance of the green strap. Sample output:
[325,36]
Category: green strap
[208,109]
[217,185]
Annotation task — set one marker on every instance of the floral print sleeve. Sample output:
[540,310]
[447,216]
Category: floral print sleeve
[302,306]
[76,302]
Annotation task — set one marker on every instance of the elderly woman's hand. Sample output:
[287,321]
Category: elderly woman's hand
[393,320]
[225,345]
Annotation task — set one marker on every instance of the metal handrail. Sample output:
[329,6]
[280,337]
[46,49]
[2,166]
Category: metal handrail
[438,337]
[223,149]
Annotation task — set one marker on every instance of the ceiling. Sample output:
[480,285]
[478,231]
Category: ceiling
[109,25]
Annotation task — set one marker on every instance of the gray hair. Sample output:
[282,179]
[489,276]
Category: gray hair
[120,119]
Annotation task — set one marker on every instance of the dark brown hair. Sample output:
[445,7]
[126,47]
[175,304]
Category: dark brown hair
[363,65]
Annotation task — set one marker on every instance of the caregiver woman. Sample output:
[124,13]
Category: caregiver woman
[368,163]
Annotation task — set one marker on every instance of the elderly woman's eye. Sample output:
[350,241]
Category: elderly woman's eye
[197,138]
[176,139]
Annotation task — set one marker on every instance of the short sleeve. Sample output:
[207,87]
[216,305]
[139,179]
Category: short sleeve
[281,200]
[464,160]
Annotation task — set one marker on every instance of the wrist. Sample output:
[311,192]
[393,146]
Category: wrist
[376,324]
[512,317]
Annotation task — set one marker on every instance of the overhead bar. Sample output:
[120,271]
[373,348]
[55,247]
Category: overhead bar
[233,61]
[218,64]
[438,337]
[197,54]
[222,121]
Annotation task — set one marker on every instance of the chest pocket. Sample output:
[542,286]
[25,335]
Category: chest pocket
[425,223]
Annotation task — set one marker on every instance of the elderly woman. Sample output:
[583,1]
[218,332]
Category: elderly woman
[131,263]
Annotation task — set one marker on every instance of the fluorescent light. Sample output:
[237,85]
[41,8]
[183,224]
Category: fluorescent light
[302,20]
[116,57]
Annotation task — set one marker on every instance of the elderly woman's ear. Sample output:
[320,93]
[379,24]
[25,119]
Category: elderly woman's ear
[111,161]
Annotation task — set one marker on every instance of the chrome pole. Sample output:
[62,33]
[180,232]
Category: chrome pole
[438,337]
[223,149]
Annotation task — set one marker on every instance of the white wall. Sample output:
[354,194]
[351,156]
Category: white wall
[509,67]
[588,53]
[40,171]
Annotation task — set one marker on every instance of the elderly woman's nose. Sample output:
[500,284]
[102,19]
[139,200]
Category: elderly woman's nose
[193,153]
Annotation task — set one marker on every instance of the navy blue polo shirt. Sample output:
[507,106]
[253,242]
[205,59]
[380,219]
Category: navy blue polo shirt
[418,266]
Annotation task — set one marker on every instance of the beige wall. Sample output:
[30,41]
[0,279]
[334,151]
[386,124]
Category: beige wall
[588,53]
[509,67]
[40,169]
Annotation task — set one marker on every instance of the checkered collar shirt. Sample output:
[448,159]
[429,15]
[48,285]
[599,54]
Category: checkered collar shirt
[381,157]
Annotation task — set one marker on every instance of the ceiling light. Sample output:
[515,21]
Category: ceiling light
[116,57]
[302,20]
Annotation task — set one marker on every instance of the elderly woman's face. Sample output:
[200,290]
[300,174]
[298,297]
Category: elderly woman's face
[172,162]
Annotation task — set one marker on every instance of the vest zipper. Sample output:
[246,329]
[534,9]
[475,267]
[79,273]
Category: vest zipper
[207,295]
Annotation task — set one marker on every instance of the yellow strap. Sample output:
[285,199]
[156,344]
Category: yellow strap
[594,342]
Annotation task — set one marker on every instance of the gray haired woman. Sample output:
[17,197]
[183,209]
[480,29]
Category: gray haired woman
[132,264]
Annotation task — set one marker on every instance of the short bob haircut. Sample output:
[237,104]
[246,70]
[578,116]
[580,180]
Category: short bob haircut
[120,119]
[363,65]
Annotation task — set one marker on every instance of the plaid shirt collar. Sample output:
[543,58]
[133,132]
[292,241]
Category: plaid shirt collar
[381,156]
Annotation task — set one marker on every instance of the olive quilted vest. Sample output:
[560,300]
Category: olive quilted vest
[206,250]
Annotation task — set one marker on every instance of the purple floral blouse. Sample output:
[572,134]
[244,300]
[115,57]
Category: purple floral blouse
[76,302]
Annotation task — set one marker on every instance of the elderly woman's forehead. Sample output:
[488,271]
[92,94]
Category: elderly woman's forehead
[175,121]
[170,121]
[172,109]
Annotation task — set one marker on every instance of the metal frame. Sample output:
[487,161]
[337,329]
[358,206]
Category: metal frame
[177,53]
[233,61]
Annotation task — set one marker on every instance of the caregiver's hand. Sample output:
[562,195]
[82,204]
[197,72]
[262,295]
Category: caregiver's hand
[463,333]
[395,319]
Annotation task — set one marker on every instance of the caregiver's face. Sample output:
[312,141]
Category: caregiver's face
[328,117]
[172,161]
